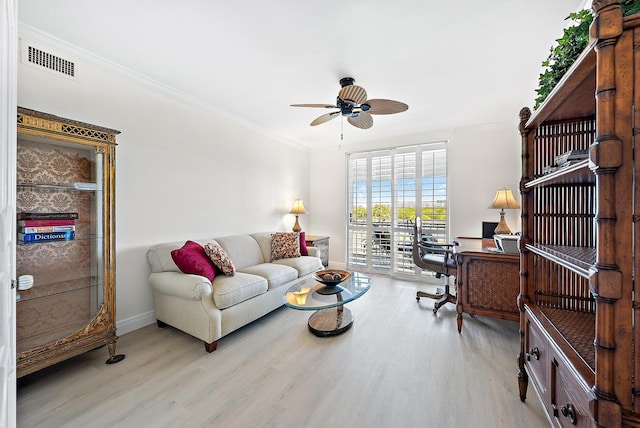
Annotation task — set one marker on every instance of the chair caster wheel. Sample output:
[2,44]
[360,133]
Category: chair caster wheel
[435,310]
[418,299]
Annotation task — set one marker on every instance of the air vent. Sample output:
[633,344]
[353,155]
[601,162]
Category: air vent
[43,58]
[52,62]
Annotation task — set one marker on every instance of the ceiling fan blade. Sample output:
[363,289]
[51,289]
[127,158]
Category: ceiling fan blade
[354,93]
[363,120]
[382,106]
[325,118]
[314,105]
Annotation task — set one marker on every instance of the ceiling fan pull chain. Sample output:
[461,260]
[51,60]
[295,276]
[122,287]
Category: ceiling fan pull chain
[341,128]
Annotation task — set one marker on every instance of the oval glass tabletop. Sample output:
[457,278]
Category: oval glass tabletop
[313,295]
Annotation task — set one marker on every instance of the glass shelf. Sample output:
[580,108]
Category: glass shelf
[578,173]
[58,187]
[52,289]
[576,259]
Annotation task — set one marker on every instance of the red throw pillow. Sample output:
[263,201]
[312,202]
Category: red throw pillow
[303,244]
[191,258]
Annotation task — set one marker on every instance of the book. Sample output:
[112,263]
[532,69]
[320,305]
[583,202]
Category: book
[47,216]
[38,223]
[43,229]
[29,238]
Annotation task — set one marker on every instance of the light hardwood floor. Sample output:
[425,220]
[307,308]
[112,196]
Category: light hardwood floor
[399,366]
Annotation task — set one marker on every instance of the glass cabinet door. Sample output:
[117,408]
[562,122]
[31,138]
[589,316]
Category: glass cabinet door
[64,257]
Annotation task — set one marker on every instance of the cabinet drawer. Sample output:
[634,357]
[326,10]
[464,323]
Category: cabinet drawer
[569,399]
[536,348]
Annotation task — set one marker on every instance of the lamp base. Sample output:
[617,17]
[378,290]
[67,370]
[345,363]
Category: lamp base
[502,228]
[296,226]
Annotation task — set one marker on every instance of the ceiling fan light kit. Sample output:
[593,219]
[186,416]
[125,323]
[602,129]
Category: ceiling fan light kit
[353,104]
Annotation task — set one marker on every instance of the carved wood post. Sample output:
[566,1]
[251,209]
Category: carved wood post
[606,156]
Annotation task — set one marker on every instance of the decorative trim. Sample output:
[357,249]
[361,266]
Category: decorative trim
[67,128]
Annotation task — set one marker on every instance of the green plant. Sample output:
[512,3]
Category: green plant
[573,41]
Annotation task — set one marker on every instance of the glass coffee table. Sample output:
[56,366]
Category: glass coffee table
[328,300]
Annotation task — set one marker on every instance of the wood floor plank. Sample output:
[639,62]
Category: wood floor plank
[398,366]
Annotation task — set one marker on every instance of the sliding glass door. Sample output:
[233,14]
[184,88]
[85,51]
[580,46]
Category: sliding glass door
[386,190]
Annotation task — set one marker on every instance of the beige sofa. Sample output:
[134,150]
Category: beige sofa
[210,310]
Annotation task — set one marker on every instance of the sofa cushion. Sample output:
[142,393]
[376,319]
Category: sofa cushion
[191,258]
[242,249]
[220,258]
[304,265]
[284,245]
[303,244]
[275,274]
[231,290]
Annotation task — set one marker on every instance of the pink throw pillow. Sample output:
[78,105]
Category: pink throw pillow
[191,258]
[303,244]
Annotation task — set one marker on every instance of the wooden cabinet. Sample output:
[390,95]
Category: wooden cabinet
[579,337]
[322,244]
[64,166]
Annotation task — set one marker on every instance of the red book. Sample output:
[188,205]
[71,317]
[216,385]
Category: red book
[37,223]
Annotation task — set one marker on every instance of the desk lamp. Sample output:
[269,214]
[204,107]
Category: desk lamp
[298,208]
[504,199]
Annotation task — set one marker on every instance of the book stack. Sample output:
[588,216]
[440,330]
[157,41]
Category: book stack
[36,227]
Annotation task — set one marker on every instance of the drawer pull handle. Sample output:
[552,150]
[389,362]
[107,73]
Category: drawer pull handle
[569,411]
[535,353]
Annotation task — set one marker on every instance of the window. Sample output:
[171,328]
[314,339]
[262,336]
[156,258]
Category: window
[386,189]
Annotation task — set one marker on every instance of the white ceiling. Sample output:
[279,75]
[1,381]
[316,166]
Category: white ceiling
[455,64]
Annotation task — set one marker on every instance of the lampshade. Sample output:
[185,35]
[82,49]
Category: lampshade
[504,200]
[298,207]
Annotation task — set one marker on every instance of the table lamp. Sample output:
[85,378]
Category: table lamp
[504,199]
[298,208]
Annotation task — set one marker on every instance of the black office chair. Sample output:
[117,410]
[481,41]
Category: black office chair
[437,258]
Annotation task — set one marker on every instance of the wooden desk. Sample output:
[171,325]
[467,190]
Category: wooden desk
[487,282]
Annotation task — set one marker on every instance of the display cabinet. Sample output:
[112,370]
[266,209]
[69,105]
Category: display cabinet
[65,269]
[579,245]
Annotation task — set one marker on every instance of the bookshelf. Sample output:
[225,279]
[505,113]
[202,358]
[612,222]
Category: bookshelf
[580,338]
[65,167]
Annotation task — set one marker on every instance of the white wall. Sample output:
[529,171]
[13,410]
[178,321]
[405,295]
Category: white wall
[182,172]
[481,160]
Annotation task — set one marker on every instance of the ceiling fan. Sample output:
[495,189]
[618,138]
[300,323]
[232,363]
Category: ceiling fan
[352,102]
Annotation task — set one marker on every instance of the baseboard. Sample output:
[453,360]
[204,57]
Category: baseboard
[130,324]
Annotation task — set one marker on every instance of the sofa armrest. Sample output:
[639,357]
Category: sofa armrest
[313,251]
[186,286]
